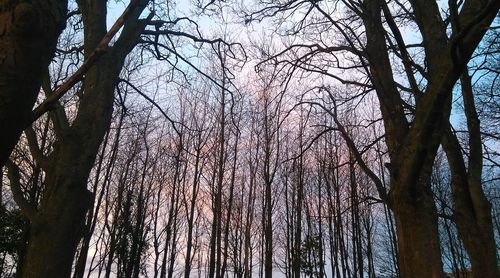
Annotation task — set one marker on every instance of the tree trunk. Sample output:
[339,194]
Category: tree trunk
[412,149]
[472,211]
[411,156]
[297,244]
[192,207]
[480,245]
[268,233]
[229,203]
[476,233]
[417,230]
[56,229]
[28,37]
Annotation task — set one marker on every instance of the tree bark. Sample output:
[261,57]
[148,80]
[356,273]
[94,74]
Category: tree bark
[417,231]
[410,197]
[56,229]
[28,35]
[472,210]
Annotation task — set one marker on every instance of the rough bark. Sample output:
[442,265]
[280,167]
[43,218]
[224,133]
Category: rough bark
[28,35]
[417,230]
[55,231]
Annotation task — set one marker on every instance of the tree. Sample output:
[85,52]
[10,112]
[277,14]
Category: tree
[412,142]
[472,210]
[158,158]
[269,112]
[58,221]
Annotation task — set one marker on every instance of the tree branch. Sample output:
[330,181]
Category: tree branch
[50,102]
[15,186]
[35,150]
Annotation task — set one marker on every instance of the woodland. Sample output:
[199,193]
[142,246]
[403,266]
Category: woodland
[249,138]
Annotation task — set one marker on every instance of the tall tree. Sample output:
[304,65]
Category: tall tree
[412,142]
[412,149]
[57,223]
[472,210]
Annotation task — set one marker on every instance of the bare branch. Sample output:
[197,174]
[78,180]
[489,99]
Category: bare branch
[172,122]
[17,193]
[50,102]
[35,150]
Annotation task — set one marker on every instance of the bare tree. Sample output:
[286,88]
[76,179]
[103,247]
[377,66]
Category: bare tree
[158,158]
[412,144]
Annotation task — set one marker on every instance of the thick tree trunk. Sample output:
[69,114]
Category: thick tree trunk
[57,227]
[56,232]
[412,156]
[476,233]
[412,148]
[28,35]
[472,209]
[417,232]
[412,201]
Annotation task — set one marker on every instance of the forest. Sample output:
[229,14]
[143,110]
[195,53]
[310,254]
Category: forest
[249,138]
